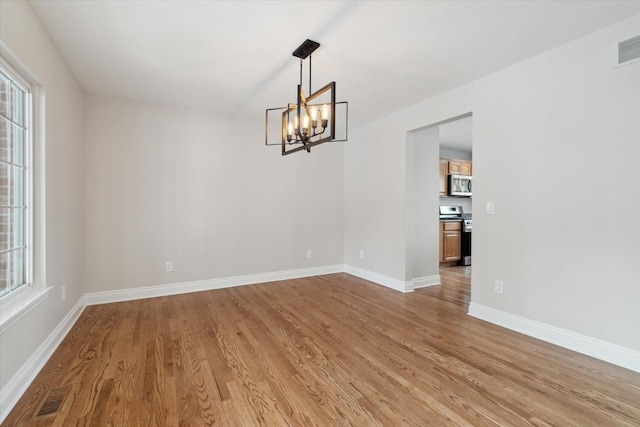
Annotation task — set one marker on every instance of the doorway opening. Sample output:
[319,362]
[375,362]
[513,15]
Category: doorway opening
[429,246]
[455,190]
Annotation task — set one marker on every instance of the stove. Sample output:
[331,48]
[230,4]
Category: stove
[451,213]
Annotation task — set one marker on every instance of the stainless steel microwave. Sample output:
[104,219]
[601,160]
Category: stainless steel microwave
[460,185]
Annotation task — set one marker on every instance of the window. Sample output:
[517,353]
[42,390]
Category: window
[15,182]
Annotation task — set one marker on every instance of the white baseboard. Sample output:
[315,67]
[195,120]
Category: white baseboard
[423,282]
[389,282]
[21,380]
[603,350]
[94,298]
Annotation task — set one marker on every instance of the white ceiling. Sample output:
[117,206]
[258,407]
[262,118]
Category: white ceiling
[235,56]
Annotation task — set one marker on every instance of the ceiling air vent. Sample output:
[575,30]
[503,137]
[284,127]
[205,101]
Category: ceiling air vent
[628,50]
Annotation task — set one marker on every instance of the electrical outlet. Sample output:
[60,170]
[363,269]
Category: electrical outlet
[361,254]
[309,254]
[63,292]
[168,266]
[499,286]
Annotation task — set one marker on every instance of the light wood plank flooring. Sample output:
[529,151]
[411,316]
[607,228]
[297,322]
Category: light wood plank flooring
[330,350]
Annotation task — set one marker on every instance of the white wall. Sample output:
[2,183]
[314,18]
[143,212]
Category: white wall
[202,190]
[63,161]
[556,133]
[422,203]
[375,198]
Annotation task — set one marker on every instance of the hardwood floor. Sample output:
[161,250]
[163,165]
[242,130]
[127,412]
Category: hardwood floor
[328,350]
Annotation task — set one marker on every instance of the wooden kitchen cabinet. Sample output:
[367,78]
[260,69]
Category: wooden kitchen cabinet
[454,167]
[450,240]
[443,181]
[460,167]
[465,168]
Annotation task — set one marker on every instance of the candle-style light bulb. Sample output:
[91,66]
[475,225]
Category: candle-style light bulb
[305,125]
[314,117]
[325,115]
[289,131]
[295,125]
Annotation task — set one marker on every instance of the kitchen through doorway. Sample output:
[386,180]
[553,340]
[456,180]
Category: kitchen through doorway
[455,191]
[429,188]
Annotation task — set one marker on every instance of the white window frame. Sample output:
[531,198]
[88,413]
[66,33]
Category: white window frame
[27,219]
[18,302]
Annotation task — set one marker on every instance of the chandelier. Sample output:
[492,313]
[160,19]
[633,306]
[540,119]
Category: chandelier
[312,120]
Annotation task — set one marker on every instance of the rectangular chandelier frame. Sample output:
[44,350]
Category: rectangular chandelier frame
[296,110]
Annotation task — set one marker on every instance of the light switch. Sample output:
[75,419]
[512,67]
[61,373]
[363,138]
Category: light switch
[491,208]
